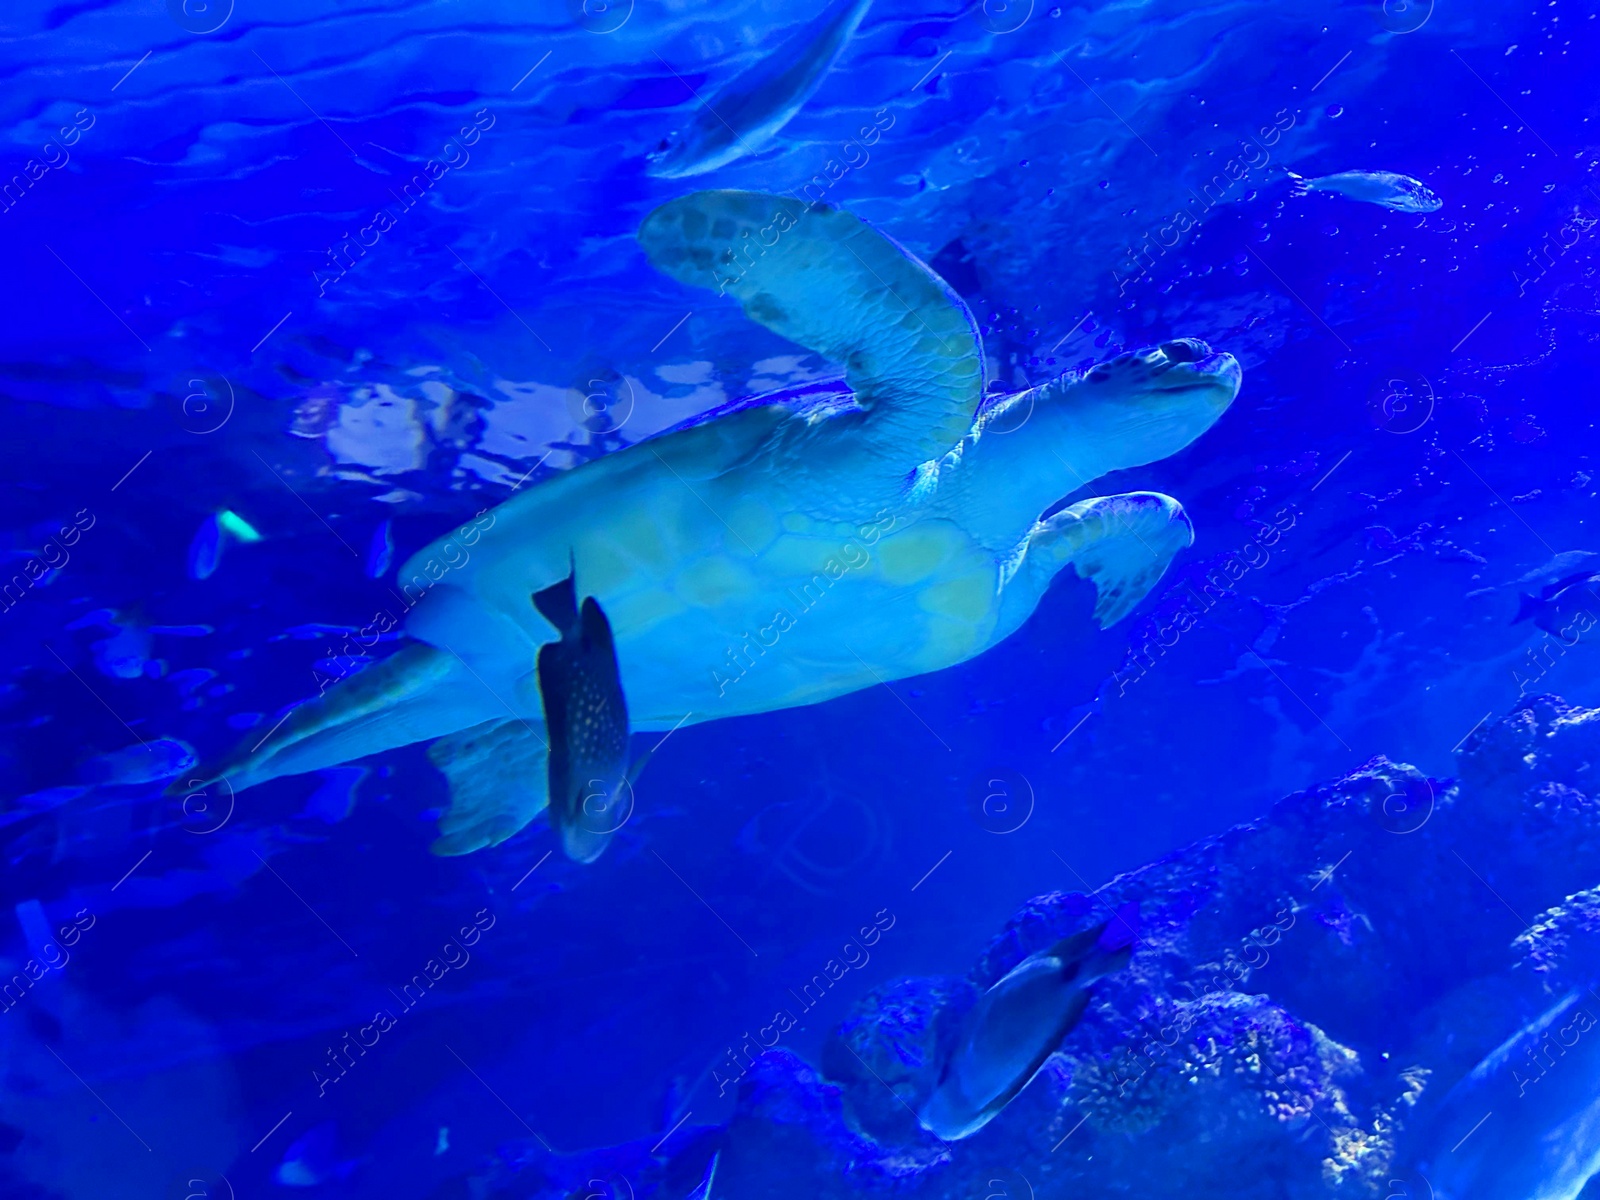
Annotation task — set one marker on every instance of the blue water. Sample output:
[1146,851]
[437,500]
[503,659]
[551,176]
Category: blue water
[190,329]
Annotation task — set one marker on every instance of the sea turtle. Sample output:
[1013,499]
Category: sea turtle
[782,550]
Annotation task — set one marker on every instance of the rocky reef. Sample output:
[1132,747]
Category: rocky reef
[1305,990]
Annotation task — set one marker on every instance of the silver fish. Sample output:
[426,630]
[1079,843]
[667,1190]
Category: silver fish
[1565,608]
[1399,192]
[1525,1122]
[1019,1023]
[746,113]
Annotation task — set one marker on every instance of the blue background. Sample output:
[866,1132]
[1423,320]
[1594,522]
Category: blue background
[166,354]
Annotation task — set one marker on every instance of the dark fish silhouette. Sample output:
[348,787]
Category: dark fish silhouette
[1524,1124]
[586,714]
[1019,1023]
[1559,607]
[748,111]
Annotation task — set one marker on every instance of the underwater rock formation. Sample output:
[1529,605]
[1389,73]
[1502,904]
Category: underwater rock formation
[1305,991]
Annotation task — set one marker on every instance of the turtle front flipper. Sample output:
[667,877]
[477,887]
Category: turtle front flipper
[1122,544]
[832,283]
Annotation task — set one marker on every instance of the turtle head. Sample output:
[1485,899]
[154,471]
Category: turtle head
[1141,406]
[1034,447]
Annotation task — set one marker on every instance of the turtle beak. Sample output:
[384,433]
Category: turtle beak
[1144,405]
[1190,365]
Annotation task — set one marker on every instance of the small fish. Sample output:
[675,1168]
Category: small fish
[1525,1122]
[312,631]
[160,759]
[380,550]
[205,550]
[49,798]
[442,1145]
[190,681]
[1385,188]
[1565,608]
[751,108]
[586,715]
[126,654]
[1019,1023]
[236,527]
[311,1161]
[127,648]
[1568,562]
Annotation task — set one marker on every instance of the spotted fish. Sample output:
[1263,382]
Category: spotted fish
[586,714]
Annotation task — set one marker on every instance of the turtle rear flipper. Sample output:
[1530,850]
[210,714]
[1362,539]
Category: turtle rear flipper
[497,783]
[419,692]
[832,283]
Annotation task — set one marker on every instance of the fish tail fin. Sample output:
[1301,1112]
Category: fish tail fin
[1113,949]
[1101,949]
[1298,185]
[1527,608]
